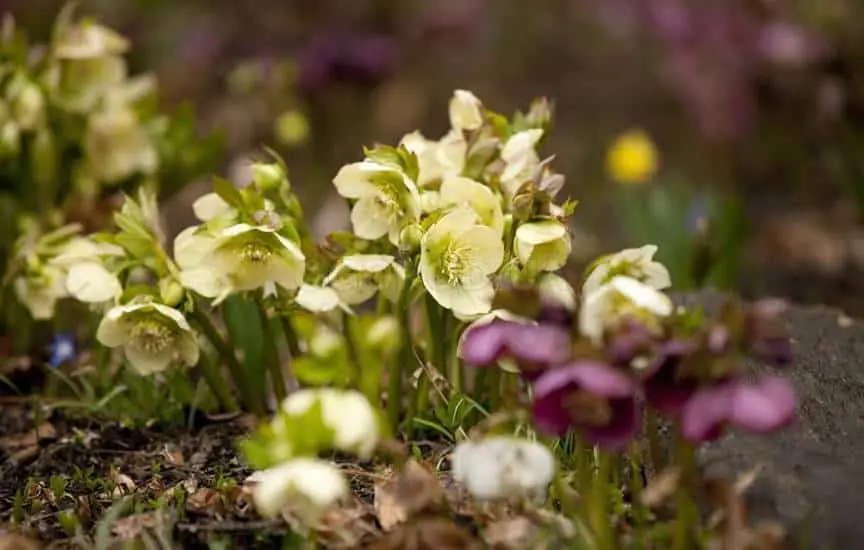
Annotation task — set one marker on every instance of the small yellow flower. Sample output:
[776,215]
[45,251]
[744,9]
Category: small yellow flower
[152,336]
[633,158]
[542,245]
[457,256]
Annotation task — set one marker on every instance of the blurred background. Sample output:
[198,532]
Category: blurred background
[755,108]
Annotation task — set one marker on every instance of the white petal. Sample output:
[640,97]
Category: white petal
[111,331]
[520,144]
[370,219]
[372,263]
[192,247]
[643,295]
[465,111]
[148,363]
[210,206]
[353,180]
[465,191]
[90,282]
[487,250]
[188,350]
[307,485]
[556,289]
[204,280]
[288,272]
[175,315]
[317,299]
[540,232]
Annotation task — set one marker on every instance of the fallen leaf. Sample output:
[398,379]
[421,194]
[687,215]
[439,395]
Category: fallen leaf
[510,534]
[427,534]
[175,457]
[123,484]
[206,500]
[13,541]
[398,497]
[131,527]
[24,446]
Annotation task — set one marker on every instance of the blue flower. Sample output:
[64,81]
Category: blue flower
[62,349]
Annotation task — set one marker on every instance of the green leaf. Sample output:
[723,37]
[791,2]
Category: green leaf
[312,371]
[228,193]
[137,246]
[245,330]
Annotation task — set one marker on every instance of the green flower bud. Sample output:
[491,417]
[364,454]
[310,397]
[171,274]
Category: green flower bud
[292,128]
[170,291]
[268,176]
[10,140]
[511,273]
[28,107]
[410,237]
[522,206]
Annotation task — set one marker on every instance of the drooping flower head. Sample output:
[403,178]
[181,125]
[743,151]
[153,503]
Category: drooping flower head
[501,467]
[520,160]
[466,111]
[387,199]
[358,277]
[533,347]
[542,245]
[152,336]
[461,191]
[620,299]
[458,254]
[636,263]
[437,159]
[305,487]
[237,259]
[595,399]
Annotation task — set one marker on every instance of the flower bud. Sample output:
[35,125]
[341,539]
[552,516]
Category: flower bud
[268,176]
[28,107]
[10,140]
[292,128]
[523,203]
[170,291]
[410,237]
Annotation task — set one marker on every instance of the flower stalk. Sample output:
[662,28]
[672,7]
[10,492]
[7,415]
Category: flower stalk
[406,351]
[271,355]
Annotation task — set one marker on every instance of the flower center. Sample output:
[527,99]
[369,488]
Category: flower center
[390,205]
[151,336]
[255,253]
[454,263]
[587,409]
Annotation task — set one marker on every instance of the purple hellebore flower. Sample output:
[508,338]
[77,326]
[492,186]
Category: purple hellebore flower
[597,400]
[762,406]
[632,340]
[533,347]
[664,391]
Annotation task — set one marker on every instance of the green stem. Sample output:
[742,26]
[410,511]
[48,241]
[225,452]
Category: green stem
[687,515]
[210,372]
[493,385]
[638,510]
[290,337]
[406,352]
[353,352]
[226,352]
[652,434]
[271,355]
[599,508]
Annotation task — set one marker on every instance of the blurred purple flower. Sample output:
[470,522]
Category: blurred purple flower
[765,333]
[533,347]
[632,340]
[595,399]
[350,57]
[788,44]
[62,349]
[762,406]
[664,389]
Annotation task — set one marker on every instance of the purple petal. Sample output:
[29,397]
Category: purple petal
[668,400]
[550,417]
[483,345]
[544,344]
[764,406]
[624,427]
[706,412]
[592,376]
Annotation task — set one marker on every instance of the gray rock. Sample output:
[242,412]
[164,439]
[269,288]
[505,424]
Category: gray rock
[812,475]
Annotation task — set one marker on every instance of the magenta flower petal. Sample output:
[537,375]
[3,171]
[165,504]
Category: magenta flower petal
[764,406]
[623,429]
[483,345]
[544,344]
[706,412]
[589,375]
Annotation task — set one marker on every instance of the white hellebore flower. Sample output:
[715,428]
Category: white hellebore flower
[386,199]
[306,487]
[152,335]
[460,191]
[520,159]
[466,111]
[622,297]
[358,277]
[637,263]
[554,289]
[501,467]
[211,205]
[346,412]
[87,279]
[39,289]
[237,259]
[457,256]
[437,159]
[542,245]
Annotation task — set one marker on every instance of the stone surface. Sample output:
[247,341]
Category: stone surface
[812,475]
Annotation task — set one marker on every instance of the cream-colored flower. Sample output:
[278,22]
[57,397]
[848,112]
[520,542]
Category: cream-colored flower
[116,145]
[542,245]
[387,199]
[237,259]
[40,288]
[346,412]
[89,40]
[466,111]
[358,277]
[637,263]
[501,467]
[621,298]
[87,278]
[430,201]
[152,335]
[554,289]
[458,254]
[460,191]
[305,487]
[437,159]
[520,159]
[209,206]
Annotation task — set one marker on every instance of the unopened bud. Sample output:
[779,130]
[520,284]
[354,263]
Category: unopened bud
[170,291]
[10,140]
[268,176]
[410,237]
[28,107]
[522,206]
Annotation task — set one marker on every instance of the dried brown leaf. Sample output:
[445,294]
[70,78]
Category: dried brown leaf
[31,438]
[510,534]
[13,541]
[174,457]
[131,527]
[427,534]
[207,501]
[398,497]
[661,488]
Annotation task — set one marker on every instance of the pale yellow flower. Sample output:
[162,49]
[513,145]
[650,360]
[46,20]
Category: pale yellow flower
[521,160]
[633,158]
[542,245]
[637,263]
[437,159]
[358,277]
[117,146]
[304,487]
[460,191]
[622,297]
[466,111]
